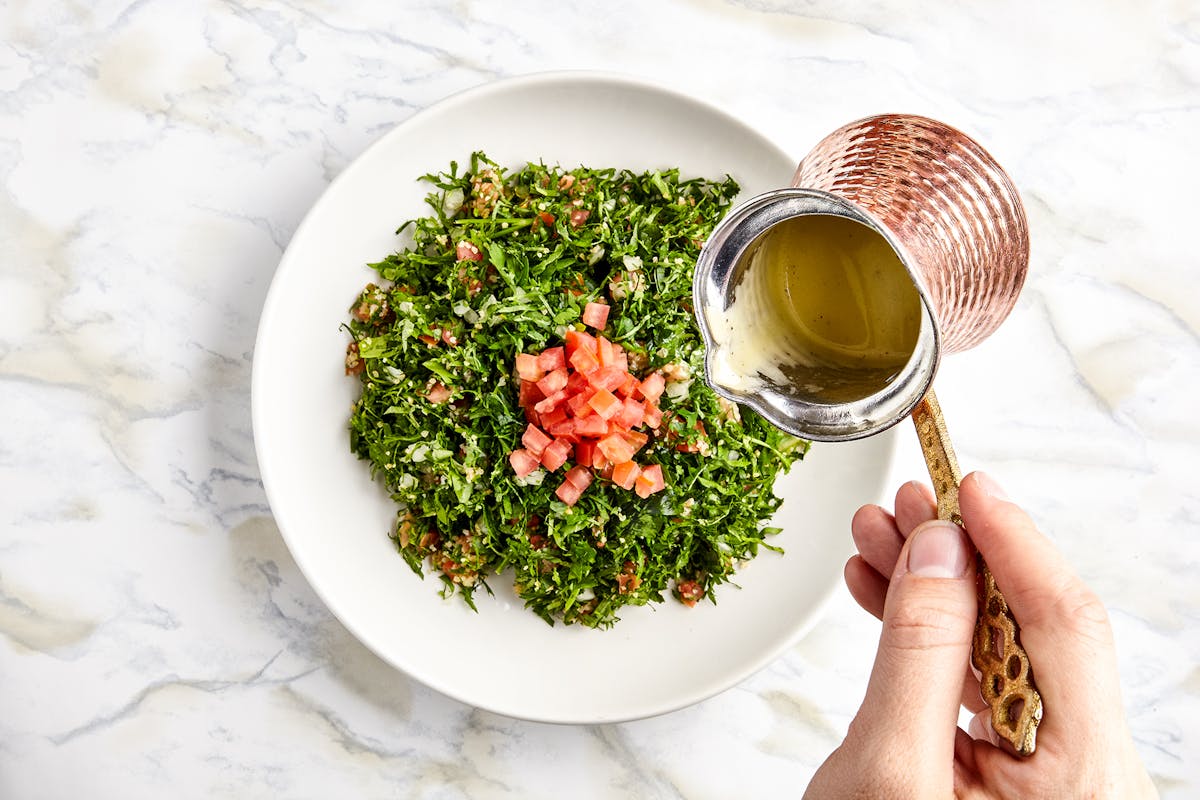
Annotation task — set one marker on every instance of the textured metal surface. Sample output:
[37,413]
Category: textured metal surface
[948,203]
[1006,678]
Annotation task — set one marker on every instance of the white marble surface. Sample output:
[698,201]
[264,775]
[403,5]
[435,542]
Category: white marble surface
[156,639]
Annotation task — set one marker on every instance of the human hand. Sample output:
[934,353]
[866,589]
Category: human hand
[917,574]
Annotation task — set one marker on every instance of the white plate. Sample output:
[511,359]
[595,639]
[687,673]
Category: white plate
[335,520]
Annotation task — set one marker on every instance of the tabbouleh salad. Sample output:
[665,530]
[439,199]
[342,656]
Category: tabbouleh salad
[533,393]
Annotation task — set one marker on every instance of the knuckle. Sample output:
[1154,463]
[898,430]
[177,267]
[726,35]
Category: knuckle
[1085,615]
[1072,608]
[921,627]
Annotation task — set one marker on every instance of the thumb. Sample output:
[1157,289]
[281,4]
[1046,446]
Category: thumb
[928,619]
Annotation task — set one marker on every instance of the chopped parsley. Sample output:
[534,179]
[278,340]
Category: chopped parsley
[504,264]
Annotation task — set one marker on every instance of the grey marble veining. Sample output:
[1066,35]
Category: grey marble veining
[157,639]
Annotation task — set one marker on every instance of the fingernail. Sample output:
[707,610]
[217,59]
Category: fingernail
[938,550]
[989,486]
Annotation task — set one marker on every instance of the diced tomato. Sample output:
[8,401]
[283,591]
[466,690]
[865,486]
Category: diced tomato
[585,361]
[535,440]
[553,417]
[564,428]
[579,216]
[550,403]
[429,340]
[615,448]
[604,352]
[580,476]
[547,219]
[467,251]
[652,386]
[553,382]
[595,315]
[690,592]
[621,362]
[449,338]
[636,440]
[582,402]
[591,426]
[625,474]
[653,415]
[437,393]
[578,404]
[527,367]
[584,449]
[650,481]
[555,454]
[551,359]
[568,492]
[578,339]
[577,382]
[607,378]
[528,394]
[523,462]
[632,413]
[605,403]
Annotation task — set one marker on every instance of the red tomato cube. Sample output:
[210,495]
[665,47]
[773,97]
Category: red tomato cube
[584,449]
[632,413]
[553,382]
[577,340]
[577,382]
[580,476]
[595,315]
[636,440]
[652,386]
[625,474]
[606,404]
[467,251]
[578,404]
[553,416]
[608,378]
[615,448]
[550,403]
[564,428]
[593,425]
[527,367]
[604,352]
[653,415]
[555,454]
[621,361]
[529,394]
[585,361]
[569,493]
[552,358]
[523,462]
[535,440]
[650,481]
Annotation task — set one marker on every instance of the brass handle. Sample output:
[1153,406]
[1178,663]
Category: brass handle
[1006,678]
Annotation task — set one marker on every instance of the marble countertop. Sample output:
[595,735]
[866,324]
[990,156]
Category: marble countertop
[156,638]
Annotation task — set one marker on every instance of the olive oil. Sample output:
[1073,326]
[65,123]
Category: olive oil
[825,306]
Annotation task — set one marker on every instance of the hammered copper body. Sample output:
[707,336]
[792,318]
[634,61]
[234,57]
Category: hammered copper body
[948,203]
